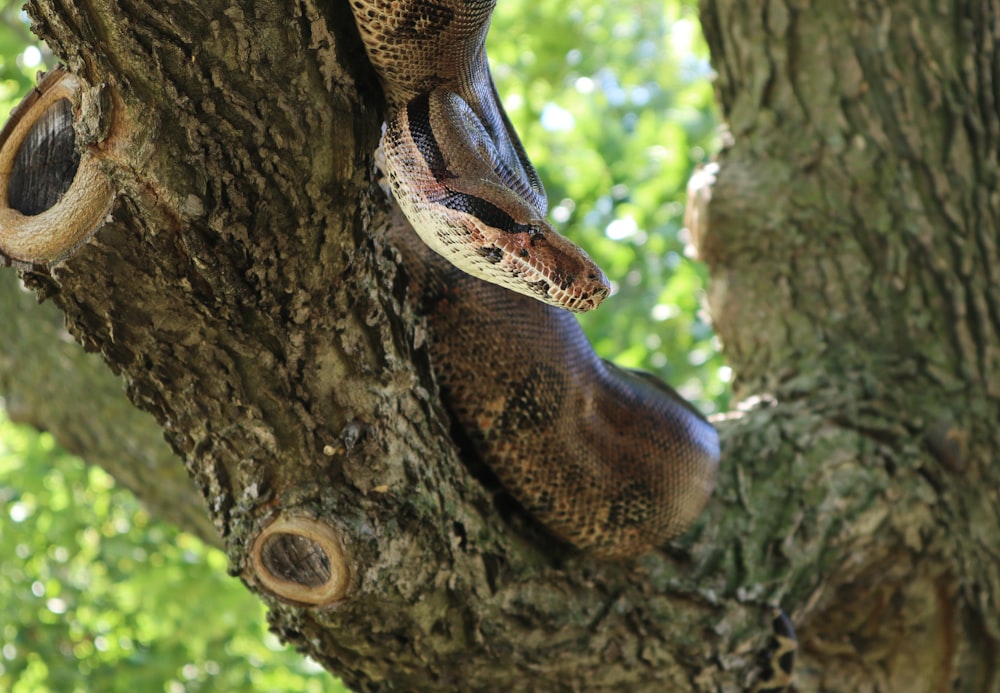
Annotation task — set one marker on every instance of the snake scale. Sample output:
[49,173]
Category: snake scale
[613,461]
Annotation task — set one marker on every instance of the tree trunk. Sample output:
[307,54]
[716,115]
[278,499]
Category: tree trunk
[853,246]
[245,293]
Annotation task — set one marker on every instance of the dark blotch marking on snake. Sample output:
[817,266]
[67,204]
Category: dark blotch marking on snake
[541,286]
[418,117]
[486,212]
[491,253]
[633,504]
[424,20]
[536,399]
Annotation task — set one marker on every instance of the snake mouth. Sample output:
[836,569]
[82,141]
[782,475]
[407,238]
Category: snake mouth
[52,198]
[576,302]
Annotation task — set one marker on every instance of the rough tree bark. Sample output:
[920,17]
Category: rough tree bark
[853,245]
[244,293]
[48,382]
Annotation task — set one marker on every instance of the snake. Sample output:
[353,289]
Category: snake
[613,461]
[454,162]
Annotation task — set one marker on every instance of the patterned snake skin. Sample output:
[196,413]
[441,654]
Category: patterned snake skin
[455,163]
[613,461]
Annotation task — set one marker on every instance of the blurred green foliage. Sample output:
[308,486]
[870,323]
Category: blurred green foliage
[98,596]
[21,56]
[614,106]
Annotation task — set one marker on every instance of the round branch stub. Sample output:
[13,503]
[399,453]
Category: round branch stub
[300,560]
[52,198]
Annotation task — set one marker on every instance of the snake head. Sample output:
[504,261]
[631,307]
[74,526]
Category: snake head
[553,269]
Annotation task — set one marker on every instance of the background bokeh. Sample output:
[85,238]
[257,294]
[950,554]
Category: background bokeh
[614,104]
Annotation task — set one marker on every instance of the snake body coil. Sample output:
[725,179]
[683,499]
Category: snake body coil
[613,461]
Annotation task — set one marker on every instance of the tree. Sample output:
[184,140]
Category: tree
[851,244]
[243,292]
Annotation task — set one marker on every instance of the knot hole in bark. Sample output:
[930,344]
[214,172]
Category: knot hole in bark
[53,197]
[300,560]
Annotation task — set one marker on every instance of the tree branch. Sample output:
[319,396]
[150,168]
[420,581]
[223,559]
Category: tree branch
[240,293]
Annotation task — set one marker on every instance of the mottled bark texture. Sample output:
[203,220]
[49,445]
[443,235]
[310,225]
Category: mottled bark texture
[853,248]
[49,382]
[244,294]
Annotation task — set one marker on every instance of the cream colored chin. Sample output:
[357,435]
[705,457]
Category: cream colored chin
[456,240]
[55,233]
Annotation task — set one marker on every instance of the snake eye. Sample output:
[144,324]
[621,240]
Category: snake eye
[535,234]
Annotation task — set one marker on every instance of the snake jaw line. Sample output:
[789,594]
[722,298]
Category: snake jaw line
[535,261]
[48,234]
